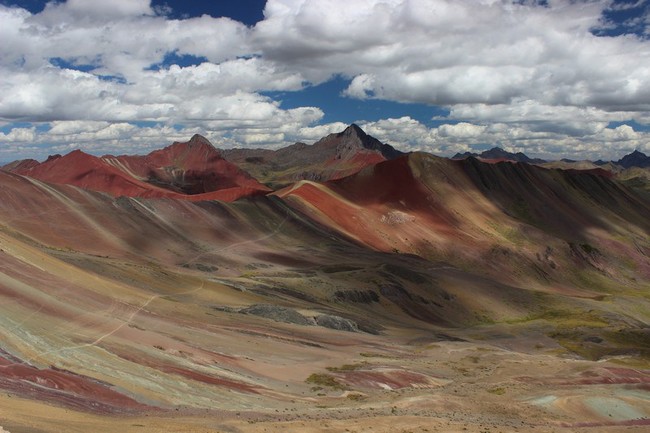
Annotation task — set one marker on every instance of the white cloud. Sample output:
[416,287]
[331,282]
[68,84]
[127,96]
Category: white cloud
[312,134]
[114,8]
[461,130]
[515,74]
[463,52]
[19,135]
[408,134]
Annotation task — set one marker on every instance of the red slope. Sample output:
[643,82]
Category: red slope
[496,217]
[189,171]
[383,206]
[193,167]
[89,172]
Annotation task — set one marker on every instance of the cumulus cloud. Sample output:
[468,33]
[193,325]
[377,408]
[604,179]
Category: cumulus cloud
[447,139]
[521,74]
[463,51]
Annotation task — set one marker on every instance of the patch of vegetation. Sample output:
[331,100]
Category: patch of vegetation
[565,319]
[356,397]
[357,296]
[521,210]
[594,346]
[325,380]
[483,317]
[405,273]
[346,367]
[200,267]
[593,280]
[497,391]
[590,249]
[508,232]
[375,355]
[333,269]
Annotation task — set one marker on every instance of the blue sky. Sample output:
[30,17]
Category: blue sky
[555,78]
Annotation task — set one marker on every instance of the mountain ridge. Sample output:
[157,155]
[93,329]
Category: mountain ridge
[333,156]
[634,159]
[192,170]
[496,154]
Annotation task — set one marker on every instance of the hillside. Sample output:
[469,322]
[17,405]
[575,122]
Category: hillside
[505,219]
[190,171]
[454,294]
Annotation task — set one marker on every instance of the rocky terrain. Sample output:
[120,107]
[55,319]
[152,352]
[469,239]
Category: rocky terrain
[335,156]
[405,293]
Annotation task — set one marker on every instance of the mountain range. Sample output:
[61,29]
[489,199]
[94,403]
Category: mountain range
[341,283]
[332,157]
[498,154]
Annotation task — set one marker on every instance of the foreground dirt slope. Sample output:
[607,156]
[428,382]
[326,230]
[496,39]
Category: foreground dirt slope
[290,313]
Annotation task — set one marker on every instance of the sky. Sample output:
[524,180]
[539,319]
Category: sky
[553,79]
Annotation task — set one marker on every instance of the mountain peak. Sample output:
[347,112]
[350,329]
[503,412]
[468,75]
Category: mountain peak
[199,140]
[634,159]
[354,130]
[355,137]
[497,153]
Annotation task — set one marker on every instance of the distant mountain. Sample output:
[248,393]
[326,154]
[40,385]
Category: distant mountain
[634,159]
[193,167]
[498,154]
[465,155]
[21,164]
[332,157]
[193,170]
[636,177]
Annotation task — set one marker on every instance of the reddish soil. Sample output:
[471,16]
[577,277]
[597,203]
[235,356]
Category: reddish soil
[64,388]
[359,161]
[89,172]
[188,171]
[599,376]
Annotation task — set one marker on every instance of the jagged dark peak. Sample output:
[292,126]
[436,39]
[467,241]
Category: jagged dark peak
[499,153]
[354,130]
[53,157]
[369,142]
[199,140]
[464,155]
[635,159]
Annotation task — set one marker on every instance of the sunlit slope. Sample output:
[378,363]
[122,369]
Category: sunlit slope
[516,222]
